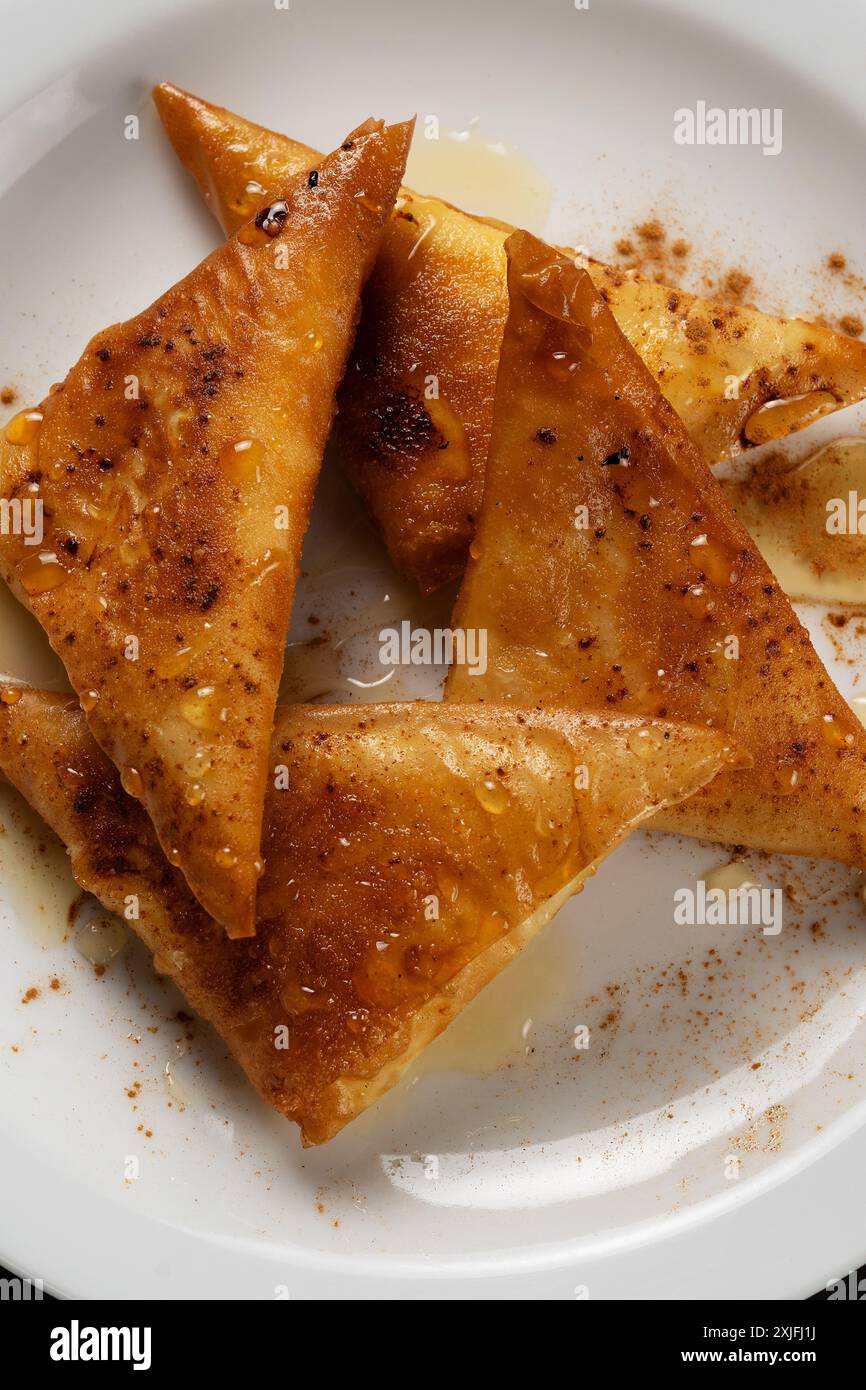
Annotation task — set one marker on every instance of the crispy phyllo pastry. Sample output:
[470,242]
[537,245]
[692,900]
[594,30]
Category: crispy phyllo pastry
[175,468]
[411,852]
[610,572]
[416,406]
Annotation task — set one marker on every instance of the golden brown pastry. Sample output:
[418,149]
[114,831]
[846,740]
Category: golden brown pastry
[416,406]
[610,572]
[412,851]
[175,467]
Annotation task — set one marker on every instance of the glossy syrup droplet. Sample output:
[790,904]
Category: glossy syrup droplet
[41,573]
[492,796]
[715,561]
[226,858]
[24,427]
[174,1086]
[833,732]
[199,764]
[316,343]
[174,858]
[731,877]
[89,700]
[697,600]
[775,419]
[299,999]
[786,781]
[195,794]
[10,695]
[175,664]
[202,708]
[645,743]
[240,460]
[100,941]
[561,365]
[369,203]
[132,782]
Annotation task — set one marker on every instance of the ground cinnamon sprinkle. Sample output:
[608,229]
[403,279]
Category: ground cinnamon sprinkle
[736,283]
[648,250]
[7,395]
[30,994]
[841,273]
[663,255]
[651,230]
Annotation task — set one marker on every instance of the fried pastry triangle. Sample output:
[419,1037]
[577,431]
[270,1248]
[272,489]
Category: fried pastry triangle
[415,851]
[416,406]
[175,467]
[610,572]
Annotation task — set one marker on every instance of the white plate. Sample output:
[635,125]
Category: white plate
[509,1164]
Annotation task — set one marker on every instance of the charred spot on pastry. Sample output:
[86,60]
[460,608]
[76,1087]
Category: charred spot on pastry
[404,429]
[272,219]
[618,456]
[85,800]
[545,436]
